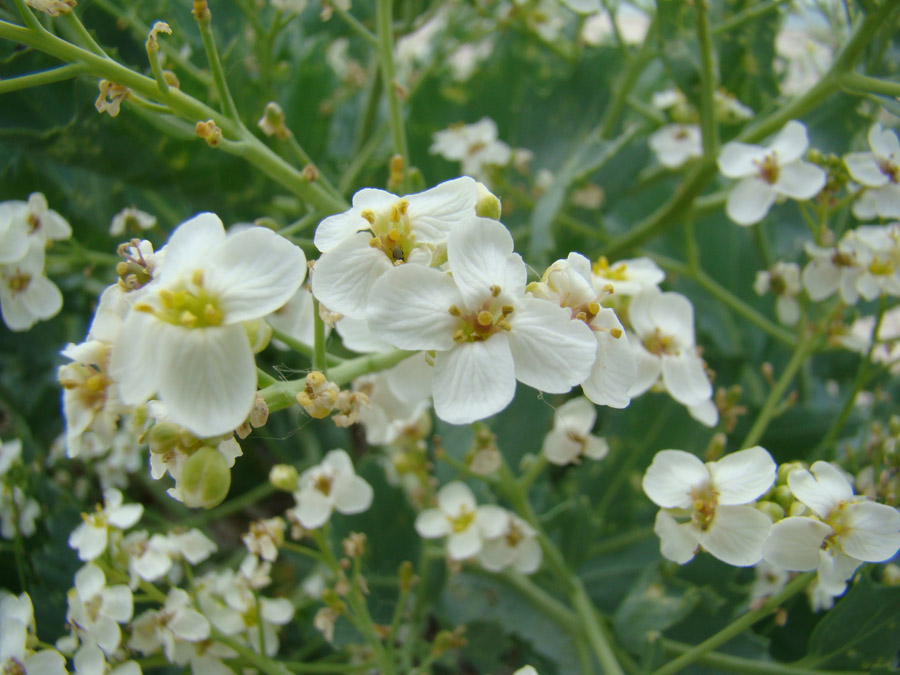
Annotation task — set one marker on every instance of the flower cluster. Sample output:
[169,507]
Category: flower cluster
[26,228]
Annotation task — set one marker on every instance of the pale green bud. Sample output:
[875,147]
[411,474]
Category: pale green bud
[488,204]
[771,509]
[785,469]
[259,333]
[284,477]
[205,479]
[783,497]
[164,436]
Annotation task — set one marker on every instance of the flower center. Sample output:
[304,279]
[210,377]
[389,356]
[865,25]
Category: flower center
[881,267]
[768,168]
[190,307]
[616,272]
[479,325]
[514,536]
[660,344]
[462,522]
[323,483]
[889,169]
[18,282]
[705,501]
[392,232]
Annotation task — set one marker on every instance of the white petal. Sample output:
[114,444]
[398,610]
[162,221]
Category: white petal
[835,569]
[884,142]
[887,200]
[432,523]
[465,544]
[435,212]
[705,412]
[358,337]
[480,252]
[794,543]
[736,535]
[640,312]
[492,521]
[203,232]
[454,498]
[528,560]
[740,159]
[409,307]
[495,555]
[595,447]
[791,142]
[821,279]
[823,492]
[189,625]
[743,476]
[134,361]
[685,378]
[671,476]
[559,448]
[208,380]
[872,531]
[118,603]
[673,315]
[125,516]
[750,201]
[800,180]
[647,370]
[551,352]
[313,508]
[575,416]
[355,497]
[253,273]
[863,167]
[343,276]
[276,610]
[473,380]
[614,371]
[677,541]
[42,298]
[89,581]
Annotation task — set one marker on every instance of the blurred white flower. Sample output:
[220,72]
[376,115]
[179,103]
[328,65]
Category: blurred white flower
[476,146]
[571,438]
[783,280]
[459,518]
[516,546]
[131,219]
[675,144]
[330,486]
[26,295]
[879,172]
[768,173]
[90,538]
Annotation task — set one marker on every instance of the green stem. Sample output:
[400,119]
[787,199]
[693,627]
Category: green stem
[536,595]
[737,627]
[37,79]
[265,664]
[738,664]
[708,82]
[184,106]
[356,25]
[263,379]
[235,505]
[626,83]
[872,85]
[862,376]
[739,19]
[772,402]
[320,361]
[28,17]
[386,56]
[325,667]
[74,24]
[204,23]
[301,348]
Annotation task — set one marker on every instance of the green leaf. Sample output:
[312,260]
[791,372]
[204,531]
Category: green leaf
[651,606]
[862,628]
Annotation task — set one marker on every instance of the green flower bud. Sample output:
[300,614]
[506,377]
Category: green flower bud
[771,509]
[488,204]
[205,479]
[783,497]
[164,436]
[259,333]
[284,477]
[785,469]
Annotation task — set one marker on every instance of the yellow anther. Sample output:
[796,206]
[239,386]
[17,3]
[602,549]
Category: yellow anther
[144,307]
[484,318]
[594,307]
[187,319]
[615,332]
[95,383]
[454,310]
[506,310]
[19,282]
[211,315]
[503,324]
[402,206]
[463,520]
[608,288]
[459,336]
[581,316]
[394,235]
[495,290]
[368,214]
[197,277]
[881,267]
[323,484]
[768,168]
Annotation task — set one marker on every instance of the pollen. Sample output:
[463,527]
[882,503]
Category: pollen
[462,522]
[495,290]
[768,168]
[18,282]
[369,215]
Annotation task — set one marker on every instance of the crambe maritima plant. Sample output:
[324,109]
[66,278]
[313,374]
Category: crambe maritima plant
[533,336]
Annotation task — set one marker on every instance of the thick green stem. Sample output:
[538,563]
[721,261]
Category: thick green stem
[28,17]
[708,81]
[356,25]
[773,401]
[38,79]
[386,56]
[204,23]
[737,627]
[872,85]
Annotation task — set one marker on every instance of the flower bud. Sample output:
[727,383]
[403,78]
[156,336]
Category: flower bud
[284,477]
[205,479]
[771,509]
[259,333]
[783,497]
[488,204]
[163,436]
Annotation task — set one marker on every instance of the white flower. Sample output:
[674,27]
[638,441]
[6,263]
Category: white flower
[571,436]
[526,670]
[675,144]
[465,59]
[830,269]
[41,222]
[184,340]
[399,398]
[516,547]
[476,146]
[14,502]
[707,505]
[802,59]
[91,537]
[148,557]
[465,524]
[879,171]
[131,219]
[264,537]
[729,109]
[177,621]
[487,333]
[784,281]
[26,295]
[330,486]
[381,231]
[631,22]
[626,277]
[16,632]
[876,251]
[844,531]
[568,283]
[96,609]
[769,173]
[859,338]
[664,326]
[14,237]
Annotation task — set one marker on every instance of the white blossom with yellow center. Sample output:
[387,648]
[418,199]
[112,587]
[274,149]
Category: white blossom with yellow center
[380,232]
[330,486]
[459,518]
[486,332]
[184,340]
[879,171]
[769,173]
[708,505]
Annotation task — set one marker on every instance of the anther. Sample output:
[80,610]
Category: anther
[197,277]
[454,310]
[368,214]
[495,290]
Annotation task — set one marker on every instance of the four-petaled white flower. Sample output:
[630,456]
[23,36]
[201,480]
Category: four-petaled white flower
[843,531]
[675,144]
[664,326]
[708,505]
[476,146]
[330,486]
[380,231]
[459,518]
[91,537]
[769,173]
[879,171]
[26,295]
[96,610]
[516,547]
[571,438]
[486,331]
[783,279]
[184,340]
